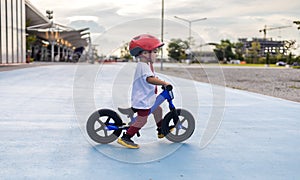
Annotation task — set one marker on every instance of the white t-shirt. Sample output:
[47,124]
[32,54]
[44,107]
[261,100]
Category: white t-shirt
[143,93]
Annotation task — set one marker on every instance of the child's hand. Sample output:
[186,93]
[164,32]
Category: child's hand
[155,81]
[168,87]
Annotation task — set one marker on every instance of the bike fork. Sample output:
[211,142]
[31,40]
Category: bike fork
[175,116]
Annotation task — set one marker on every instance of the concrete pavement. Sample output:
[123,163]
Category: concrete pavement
[239,135]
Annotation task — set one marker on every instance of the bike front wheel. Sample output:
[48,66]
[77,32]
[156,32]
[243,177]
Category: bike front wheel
[184,127]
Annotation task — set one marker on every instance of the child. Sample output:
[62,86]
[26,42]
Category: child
[143,48]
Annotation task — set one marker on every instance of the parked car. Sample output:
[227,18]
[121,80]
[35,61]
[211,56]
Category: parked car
[235,61]
[280,63]
[296,64]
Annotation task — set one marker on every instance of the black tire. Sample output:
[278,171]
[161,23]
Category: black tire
[182,133]
[96,127]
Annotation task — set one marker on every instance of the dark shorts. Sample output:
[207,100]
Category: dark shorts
[142,112]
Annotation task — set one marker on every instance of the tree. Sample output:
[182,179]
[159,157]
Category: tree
[238,49]
[223,50]
[289,46]
[30,38]
[125,51]
[254,50]
[177,48]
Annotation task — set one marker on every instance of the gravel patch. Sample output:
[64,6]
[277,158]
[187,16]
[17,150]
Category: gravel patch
[278,82]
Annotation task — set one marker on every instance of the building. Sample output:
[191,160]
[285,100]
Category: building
[20,19]
[265,46]
[12,35]
[204,57]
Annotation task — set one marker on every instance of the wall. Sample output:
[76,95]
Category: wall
[12,35]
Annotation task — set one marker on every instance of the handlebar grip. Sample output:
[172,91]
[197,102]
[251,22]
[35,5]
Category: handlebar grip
[167,87]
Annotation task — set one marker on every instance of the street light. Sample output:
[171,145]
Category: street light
[297,23]
[190,27]
[49,14]
[190,24]
[162,32]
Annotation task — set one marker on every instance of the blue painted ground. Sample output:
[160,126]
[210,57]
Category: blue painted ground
[239,135]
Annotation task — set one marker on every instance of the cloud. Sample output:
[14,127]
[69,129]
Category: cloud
[116,36]
[94,26]
[83,18]
[230,19]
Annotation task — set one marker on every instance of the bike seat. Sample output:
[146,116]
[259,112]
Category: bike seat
[127,111]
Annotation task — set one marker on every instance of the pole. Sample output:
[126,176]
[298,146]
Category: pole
[190,42]
[162,33]
[190,31]
[52,51]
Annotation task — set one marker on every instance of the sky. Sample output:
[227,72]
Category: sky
[112,23]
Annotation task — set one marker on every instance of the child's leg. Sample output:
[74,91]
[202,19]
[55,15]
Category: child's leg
[157,113]
[139,122]
[158,119]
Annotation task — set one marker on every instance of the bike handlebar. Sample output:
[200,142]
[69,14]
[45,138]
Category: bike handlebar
[167,87]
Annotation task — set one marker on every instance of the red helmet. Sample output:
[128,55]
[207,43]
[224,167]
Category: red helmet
[144,42]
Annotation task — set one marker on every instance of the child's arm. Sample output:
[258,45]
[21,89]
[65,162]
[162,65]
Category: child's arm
[155,81]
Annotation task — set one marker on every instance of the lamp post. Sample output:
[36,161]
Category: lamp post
[190,29]
[162,32]
[49,14]
[51,34]
[297,23]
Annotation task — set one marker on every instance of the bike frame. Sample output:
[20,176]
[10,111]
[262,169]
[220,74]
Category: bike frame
[166,94]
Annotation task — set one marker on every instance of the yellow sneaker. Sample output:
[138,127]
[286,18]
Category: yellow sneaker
[160,135]
[127,142]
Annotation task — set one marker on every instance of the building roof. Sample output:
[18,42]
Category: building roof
[41,26]
[53,32]
[33,15]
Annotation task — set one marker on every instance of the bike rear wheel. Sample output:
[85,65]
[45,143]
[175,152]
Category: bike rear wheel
[183,129]
[97,126]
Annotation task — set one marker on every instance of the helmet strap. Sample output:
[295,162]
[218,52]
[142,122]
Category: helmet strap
[148,59]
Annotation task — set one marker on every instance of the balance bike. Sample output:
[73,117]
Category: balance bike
[105,125]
